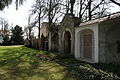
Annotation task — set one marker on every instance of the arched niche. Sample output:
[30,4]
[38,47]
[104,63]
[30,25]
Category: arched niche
[86,44]
[67,42]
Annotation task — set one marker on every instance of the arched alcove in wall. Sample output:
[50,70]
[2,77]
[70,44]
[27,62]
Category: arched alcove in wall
[86,44]
[67,42]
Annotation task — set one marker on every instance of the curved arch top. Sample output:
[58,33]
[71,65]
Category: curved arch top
[67,42]
[86,43]
[66,31]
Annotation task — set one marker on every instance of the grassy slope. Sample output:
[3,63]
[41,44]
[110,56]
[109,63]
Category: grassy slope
[20,63]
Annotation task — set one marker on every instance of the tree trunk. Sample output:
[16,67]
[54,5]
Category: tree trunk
[50,22]
[80,13]
[39,27]
[89,10]
[49,14]
[67,6]
[72,4]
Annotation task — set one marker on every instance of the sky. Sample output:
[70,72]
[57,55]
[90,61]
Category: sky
[20,16]
[17,17]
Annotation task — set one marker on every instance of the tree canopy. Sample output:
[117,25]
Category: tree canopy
[17,35]
[4,3]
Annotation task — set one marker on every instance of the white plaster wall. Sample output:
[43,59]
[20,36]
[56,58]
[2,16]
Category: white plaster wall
[94,28]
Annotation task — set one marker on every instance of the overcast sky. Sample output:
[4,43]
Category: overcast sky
[17,17]
[20,17]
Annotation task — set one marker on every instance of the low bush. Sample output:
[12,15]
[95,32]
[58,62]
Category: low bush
[89,73]
[84,70]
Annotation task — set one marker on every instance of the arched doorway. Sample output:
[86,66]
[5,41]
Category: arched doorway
[86,44]
[67,42]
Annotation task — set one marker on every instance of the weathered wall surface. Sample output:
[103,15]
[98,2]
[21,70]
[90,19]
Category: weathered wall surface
[55,42]
[44,29]
[78,30]
[67,25]
[109,34]
[61,39]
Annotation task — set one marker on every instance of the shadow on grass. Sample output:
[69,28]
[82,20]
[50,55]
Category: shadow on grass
[72,65]
[13,60]
[21,64]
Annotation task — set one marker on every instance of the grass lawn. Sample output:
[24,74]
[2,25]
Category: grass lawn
[20,63]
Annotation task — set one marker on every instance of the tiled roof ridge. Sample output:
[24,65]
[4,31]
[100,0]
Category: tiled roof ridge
[102,19]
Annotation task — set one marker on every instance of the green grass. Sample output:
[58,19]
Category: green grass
[20,63]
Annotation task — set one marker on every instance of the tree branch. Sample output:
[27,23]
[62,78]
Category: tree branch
[115,2]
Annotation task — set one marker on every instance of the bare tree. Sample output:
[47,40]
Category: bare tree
[5,26]
[53,8]
[89,9]
[39,9]
[4,3]
[29,27]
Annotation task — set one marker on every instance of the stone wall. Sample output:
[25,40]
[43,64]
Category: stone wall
[67,26]
[61,39]
[109,37]
[35,43]
[55,42]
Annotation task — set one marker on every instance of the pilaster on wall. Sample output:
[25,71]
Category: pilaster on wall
[60,50]
[49,41]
